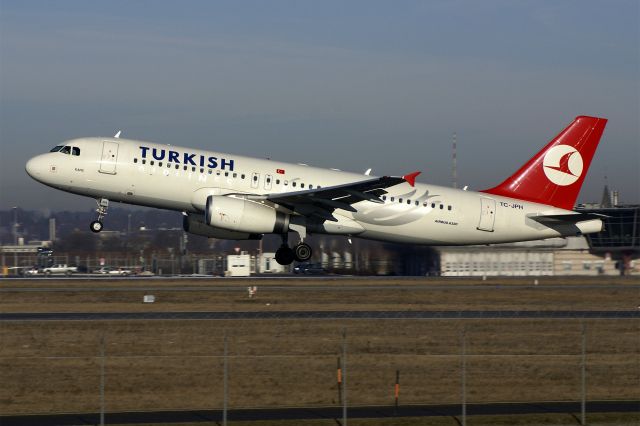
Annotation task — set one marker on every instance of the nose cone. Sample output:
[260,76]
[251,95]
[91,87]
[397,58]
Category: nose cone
[34,167]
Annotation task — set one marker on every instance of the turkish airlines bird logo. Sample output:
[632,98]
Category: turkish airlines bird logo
[562,165]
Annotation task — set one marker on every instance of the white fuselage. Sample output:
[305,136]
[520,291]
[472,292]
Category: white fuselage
[181,179]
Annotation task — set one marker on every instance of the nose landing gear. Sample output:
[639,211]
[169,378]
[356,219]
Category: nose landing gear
[96,225]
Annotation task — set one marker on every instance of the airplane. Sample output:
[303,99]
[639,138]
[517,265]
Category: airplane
[239,198]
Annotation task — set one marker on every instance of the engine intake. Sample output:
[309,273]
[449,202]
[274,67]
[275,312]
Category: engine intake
[237,214]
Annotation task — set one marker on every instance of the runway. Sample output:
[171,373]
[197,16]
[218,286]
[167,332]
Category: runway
[309,413]
[317,315]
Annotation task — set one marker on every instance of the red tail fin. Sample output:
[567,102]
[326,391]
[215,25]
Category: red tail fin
[555,174]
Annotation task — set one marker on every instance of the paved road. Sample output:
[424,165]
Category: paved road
[451,410]
[293,287]
[326,315]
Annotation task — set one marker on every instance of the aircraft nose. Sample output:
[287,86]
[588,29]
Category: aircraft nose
[34,167]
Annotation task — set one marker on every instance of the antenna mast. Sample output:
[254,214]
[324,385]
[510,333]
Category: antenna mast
[454,164]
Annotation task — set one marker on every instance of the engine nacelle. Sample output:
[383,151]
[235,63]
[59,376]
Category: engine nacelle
[236,214]
[194,224]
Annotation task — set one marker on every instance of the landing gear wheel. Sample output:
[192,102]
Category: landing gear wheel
[96,226]
[284,255]
[302,252]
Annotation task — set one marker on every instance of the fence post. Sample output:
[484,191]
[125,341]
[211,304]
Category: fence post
[397,390]
[225,397]
[583,373]
[344,377]
[463,390]
[102,380]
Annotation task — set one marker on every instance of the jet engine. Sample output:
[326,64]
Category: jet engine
[194,224]
[237,214]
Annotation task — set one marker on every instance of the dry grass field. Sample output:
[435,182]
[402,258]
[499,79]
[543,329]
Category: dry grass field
[54,366]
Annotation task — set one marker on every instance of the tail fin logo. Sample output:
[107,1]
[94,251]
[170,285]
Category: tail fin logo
[562,165]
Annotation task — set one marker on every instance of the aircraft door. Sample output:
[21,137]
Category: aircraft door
[255,180]
[487,214]
[109,157]
[267,182]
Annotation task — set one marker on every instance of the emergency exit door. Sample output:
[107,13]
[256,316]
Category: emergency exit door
[487,214]
[109,157]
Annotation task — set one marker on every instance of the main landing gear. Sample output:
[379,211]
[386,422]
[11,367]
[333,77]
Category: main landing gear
[285,255]
[96,225]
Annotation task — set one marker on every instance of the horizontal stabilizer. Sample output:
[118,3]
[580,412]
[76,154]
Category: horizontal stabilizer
[557,219]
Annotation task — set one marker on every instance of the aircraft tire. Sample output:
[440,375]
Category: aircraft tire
[302,252]
[284,255]
[96,226]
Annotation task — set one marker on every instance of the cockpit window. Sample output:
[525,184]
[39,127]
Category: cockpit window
[56,148]
[66,150]
[76,150]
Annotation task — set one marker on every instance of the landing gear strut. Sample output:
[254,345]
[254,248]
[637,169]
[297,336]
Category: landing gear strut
[96,225]
[285,255]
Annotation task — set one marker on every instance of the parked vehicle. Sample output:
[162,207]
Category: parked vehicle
[108,270]
[32,271]
[309,269]
[60,269]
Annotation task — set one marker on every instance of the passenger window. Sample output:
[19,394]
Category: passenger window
[433,205]
[226,174]
[293,184]
[210,171]
[277,181]
[242,176]
[408,201]
[144,161]
[193,169]
[185,168]
[201,170]
[76,150]
[399,200]
[151,162]
[441,206]
[177,166]
[235,175]
[135,160]
[393,198]
[310,186]
[66,150]
[255,178]
[160,164]
[425,204]
[384,197]
[302,185]
[449,208]
[417,203]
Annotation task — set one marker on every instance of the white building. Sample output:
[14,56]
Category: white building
[554,256]
[268,265]
[238,265]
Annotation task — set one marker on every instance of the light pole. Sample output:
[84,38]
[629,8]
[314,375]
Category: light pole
[15,225]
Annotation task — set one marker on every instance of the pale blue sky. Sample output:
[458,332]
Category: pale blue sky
[346,84]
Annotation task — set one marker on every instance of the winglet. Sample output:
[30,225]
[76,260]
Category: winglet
[411,178]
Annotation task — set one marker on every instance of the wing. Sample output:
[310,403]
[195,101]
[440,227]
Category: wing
[321,202]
